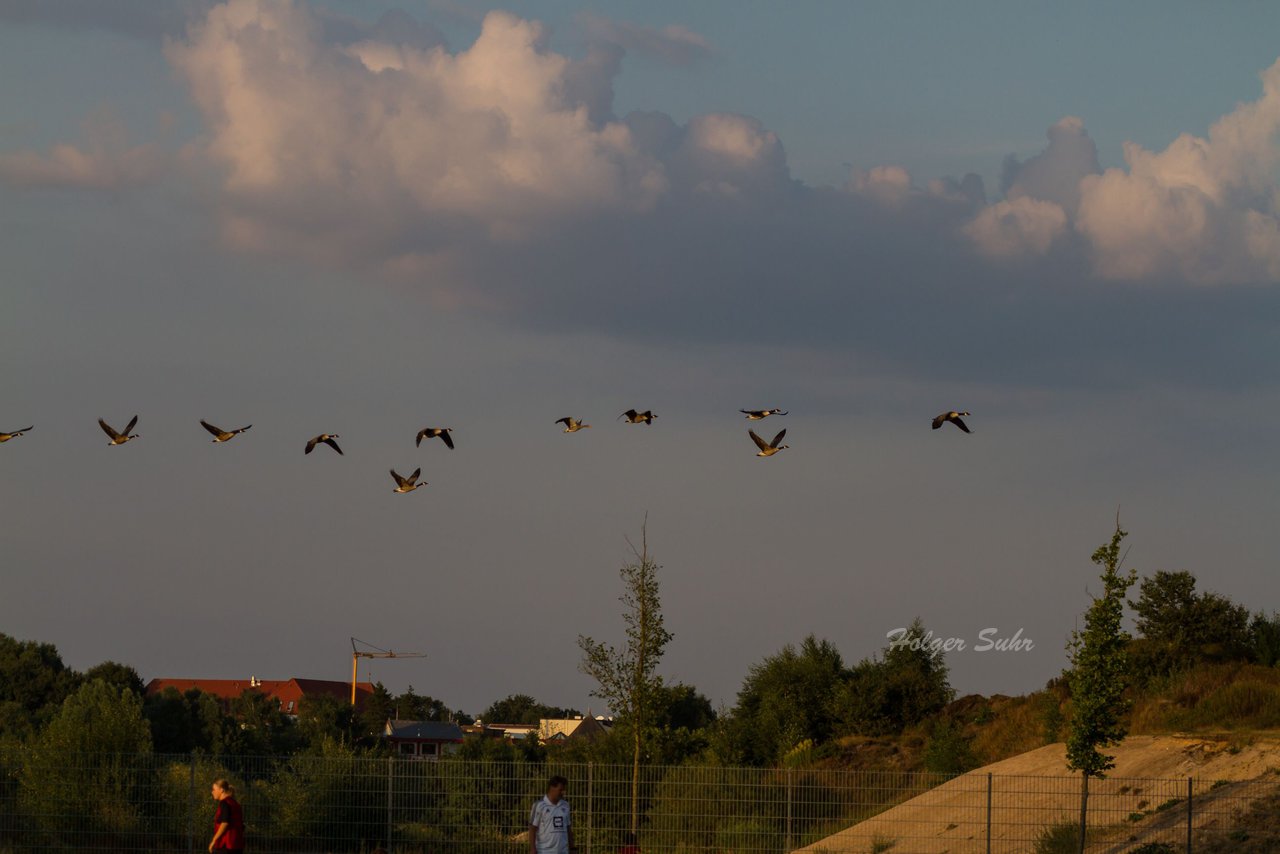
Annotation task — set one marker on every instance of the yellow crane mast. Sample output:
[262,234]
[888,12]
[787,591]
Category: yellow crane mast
[357,654]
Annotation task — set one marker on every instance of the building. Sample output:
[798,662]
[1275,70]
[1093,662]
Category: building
[288,693]
[423,739]
[552,731]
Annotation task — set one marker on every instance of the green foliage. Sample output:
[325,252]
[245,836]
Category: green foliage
[33,684]
[1099,671]
[787,699]
[328,792]
[1058,839]
[904,687]
[322,720]
[523,709]
[1051,717]
[1264,639]
[184,722]
[1247,703]
[410,706]
[116,675]
[374,713]
[82,770]
[948,750]
[627,678]
[1181,628]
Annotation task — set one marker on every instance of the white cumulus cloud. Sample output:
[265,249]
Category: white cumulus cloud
[352,147]
[1203,209]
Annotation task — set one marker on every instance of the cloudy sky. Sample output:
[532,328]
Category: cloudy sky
[364,219]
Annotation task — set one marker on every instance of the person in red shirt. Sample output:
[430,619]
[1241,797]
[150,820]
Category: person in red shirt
[228,821]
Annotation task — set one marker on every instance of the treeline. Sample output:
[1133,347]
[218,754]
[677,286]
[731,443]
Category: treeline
[790,706]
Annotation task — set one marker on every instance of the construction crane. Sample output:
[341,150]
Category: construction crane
[357,654]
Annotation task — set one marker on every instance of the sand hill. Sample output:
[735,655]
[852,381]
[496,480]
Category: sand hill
[1143,799]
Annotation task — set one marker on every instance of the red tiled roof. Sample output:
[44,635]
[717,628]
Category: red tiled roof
[288,692]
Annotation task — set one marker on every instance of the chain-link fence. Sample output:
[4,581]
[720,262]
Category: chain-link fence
[356,804]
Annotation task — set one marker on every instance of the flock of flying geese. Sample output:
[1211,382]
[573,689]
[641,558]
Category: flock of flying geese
[410,483]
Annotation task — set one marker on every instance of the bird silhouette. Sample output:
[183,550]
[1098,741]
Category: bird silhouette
[326,438]
[634,417]
[119,438]
[954,418]
[220,435]
[436,433]
[4,437]
[571,424]
[768,449]
[407,484]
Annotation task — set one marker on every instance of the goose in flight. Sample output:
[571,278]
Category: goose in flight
[4,437]
[119,438]
[326,438]
[768,449]
[571,424]
[407,484]
[760,414]
[220,435]
[634,417]
[953,417]
[436,433]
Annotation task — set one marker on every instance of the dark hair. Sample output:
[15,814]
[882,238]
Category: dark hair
[557,780]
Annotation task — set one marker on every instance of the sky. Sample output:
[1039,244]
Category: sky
[369,218]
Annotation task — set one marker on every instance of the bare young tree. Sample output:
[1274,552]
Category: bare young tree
[626,677]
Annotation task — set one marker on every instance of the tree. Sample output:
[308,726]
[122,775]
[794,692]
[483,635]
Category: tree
[627,678]
[788,698]
[1181,627]
[907,684]
[117,675]
[523,709]
[417,707]
[82,768]
[185,722]
[33,684]
[1099,674]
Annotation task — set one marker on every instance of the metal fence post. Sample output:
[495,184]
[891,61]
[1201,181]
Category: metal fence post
[789,799]
[191,809]
[391,778]
[988,812]
[590,800]
[1188,815]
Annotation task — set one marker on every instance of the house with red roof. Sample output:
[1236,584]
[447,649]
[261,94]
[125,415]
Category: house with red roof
[288,693]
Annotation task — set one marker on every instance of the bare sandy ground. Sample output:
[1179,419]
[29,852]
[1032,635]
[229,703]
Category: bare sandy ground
[1143,799]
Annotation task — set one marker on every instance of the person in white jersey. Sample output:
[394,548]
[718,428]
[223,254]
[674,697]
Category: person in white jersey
[550,830]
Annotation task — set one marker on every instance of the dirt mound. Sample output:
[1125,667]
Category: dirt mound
[1144,798]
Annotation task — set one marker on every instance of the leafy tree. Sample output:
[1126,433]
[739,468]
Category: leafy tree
[323,719]
[374,713]
[82,770]
[1264,639]
[1181,627]
[185,722]
[907,684]
[1099,674]
[117,675]
[33,684]
[788,698]
[948,750]
[627,678]
[258,727]
[523,709]
[415,707]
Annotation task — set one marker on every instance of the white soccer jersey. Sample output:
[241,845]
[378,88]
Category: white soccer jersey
[552,822]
